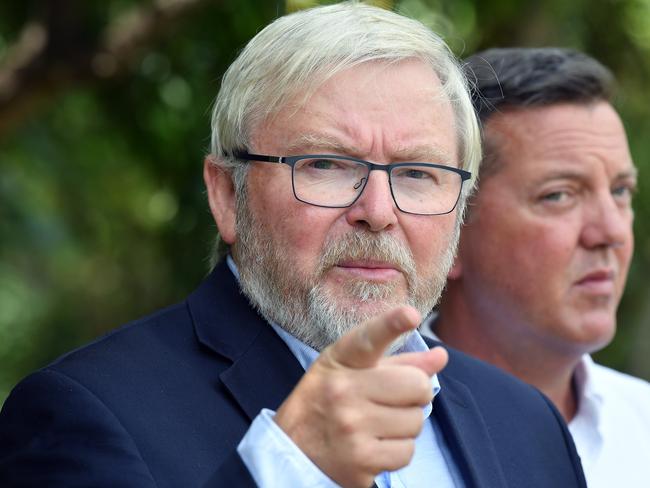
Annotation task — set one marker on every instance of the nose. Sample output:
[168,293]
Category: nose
[375,209]
[607,224]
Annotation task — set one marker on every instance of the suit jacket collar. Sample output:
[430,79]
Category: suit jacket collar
[464,429]
[227,324]
[463,426]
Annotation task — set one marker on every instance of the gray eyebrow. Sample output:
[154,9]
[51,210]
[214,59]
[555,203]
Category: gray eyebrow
[320,141]
[423,153]
[325,143]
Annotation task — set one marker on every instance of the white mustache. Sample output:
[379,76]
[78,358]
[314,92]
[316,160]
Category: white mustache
[357,245]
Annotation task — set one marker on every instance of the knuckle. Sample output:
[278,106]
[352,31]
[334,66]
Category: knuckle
[412,417]
[336,390]
[348,422]
[424,382]
[400,457]
[362,456]
[405,454]
[414,422]
[423,387]
[408,451]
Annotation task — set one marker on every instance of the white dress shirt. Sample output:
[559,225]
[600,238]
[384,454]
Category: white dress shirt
[611,429]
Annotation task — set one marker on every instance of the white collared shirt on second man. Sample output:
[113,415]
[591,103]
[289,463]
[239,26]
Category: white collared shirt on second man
[611,429]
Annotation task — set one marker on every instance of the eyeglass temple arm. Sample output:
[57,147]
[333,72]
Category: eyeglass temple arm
[245,156]
[257,157]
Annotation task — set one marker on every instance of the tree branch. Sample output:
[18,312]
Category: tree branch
[58,52]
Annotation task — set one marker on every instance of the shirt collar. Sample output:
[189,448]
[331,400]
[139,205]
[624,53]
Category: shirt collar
[306,355]
[586,425]
[233,267]
[589,394]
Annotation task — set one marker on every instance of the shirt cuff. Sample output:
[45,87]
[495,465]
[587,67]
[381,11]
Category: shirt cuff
[273,459]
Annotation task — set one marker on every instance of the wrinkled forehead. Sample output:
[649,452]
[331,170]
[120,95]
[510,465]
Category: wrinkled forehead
[400,100]
[327,96]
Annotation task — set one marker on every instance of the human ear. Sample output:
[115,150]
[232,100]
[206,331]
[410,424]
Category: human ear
[221,196]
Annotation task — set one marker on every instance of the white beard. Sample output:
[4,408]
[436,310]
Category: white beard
[305,307]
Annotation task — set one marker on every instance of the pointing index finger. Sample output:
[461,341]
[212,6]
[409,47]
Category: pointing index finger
[364,345]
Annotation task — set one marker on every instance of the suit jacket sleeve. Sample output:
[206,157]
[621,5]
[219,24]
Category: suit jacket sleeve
[55,432]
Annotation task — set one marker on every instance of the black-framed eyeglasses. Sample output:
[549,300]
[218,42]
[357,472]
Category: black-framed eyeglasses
[325,180]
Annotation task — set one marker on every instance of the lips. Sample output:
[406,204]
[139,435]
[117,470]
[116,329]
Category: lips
[600,282]
[369,270]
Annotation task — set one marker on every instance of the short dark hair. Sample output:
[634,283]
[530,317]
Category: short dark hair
[515,78]
[525,77]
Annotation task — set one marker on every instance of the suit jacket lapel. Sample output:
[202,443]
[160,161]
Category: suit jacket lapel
[263,370]
[467,437]
[264,375]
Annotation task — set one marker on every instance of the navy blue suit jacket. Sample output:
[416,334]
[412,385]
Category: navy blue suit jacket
[164,401]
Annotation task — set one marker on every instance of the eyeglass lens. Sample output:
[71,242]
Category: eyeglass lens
[416,188]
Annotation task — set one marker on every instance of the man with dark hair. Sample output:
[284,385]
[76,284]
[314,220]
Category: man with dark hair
[544,255]
[343,144]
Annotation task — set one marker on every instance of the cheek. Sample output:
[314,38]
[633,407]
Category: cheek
[624,257]
[627,249]
[525,255]
[304,234]
[297,230]
[551,248]
[429,238]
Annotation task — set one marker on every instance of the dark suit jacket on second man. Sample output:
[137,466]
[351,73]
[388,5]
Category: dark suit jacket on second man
[164,402]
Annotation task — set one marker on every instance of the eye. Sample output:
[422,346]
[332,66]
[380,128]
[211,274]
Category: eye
[415,174]
[327,164]
[560,197]
[624,191]
[555,196]
[322,164]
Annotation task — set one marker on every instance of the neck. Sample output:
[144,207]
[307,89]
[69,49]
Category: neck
[498,343]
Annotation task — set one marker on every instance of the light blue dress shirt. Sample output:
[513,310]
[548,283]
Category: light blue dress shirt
[274,460]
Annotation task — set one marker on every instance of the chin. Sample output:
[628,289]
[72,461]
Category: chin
[596,331]
[370,306]
[360,292]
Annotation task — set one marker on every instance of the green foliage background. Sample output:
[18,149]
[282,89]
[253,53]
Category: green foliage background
[103,216]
